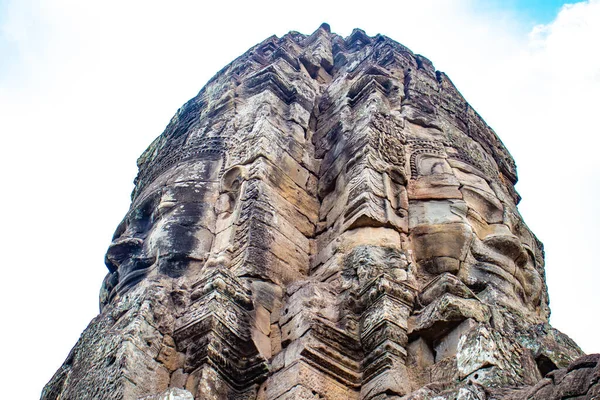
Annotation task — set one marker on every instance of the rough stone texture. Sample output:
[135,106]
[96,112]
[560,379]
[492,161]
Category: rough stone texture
[328,218]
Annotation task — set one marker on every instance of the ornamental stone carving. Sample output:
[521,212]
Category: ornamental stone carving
[328,218]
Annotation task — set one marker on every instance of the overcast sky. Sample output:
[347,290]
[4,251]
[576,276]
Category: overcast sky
[85,86]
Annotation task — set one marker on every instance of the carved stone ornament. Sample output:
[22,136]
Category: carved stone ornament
[327,219]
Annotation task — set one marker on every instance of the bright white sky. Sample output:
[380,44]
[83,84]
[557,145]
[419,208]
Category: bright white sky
[86,86]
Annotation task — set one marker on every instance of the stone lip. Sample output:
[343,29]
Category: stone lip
[580,380]
[327,218]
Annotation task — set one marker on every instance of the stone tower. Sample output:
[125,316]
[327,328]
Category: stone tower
[327,219]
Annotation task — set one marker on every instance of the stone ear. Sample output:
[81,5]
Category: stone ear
[232,178]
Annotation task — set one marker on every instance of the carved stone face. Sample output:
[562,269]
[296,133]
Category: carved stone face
[328,218]
[168,230]
[459,226]
[369,262]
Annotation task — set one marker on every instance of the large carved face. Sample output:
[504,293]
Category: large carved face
[463,223]
[168,229]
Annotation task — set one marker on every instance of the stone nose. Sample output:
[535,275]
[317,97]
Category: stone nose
[506,246]
[122,250]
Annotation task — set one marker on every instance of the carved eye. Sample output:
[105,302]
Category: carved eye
[163,208]
[120,229]
[141,218]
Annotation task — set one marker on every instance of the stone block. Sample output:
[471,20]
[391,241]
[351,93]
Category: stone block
[301,373]
[444,313]
[435,212]
[435,244]
[420,354]
[444,371]
[444,283]
[171,394]
[391,381]
[484,203]
[447,346]
[439,186]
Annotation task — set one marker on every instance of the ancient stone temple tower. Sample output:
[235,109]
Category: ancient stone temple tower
[327,219]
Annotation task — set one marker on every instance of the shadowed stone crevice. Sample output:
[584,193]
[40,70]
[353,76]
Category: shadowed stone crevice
[545,365]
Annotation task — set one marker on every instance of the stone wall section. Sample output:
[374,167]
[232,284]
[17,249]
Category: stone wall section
[327,219]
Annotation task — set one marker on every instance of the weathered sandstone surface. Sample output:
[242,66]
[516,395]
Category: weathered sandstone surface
[327,219]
